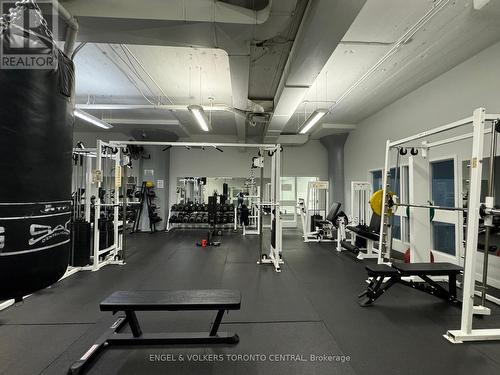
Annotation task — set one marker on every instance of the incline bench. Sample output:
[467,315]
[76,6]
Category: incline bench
[177,300]
[378,273]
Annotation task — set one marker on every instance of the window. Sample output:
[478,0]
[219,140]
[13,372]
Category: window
[443,183]
[395,181]
[288,189]
[302,183]
[376,180]
[396,227]
[443,237]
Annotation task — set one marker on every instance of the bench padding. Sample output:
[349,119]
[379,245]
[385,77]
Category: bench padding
[381,269]
[431,269]
[174,300]
[363,233]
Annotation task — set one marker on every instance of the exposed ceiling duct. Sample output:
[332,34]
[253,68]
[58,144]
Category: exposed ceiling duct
[316,40]
[187,10]
[257,41]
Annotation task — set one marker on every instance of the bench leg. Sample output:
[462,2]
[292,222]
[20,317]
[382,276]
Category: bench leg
[376,289]
[452,286]
[79,366]
[133,323]
[437,290]
[215,326]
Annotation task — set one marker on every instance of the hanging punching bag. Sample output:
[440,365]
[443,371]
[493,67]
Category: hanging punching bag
[36,130]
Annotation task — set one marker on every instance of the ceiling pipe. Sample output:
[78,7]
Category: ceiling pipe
[103,23]
[189,11]
[71,29]
[167,107]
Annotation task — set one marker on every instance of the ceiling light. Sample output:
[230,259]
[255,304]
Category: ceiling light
[199,114]
[91,119]
[312,120]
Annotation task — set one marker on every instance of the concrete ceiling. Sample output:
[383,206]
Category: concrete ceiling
[242,63]
[255,35]
[454,34]
[108,72]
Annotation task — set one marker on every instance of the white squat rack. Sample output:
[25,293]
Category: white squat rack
[474,209]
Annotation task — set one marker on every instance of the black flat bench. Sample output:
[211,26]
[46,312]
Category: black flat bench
[369,235]
[395,274]
[129,302]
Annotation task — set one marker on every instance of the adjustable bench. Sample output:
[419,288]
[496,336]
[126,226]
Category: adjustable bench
[177,300]
[395,274]
[370,234]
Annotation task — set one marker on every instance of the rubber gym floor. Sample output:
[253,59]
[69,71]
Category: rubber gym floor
[309,308]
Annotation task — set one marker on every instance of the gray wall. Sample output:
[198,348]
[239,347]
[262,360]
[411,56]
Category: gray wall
[309,160]
[449,97]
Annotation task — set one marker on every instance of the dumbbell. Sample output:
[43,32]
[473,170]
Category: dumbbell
[204,219]
[174,207]
[231,207]
[173,218]
[192,219]
[180,207]
[185,219]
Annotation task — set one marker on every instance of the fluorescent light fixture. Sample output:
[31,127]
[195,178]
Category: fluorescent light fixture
[312,120]
[199,114]
[91,119]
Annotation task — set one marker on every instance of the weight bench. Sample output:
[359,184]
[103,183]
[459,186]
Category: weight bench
[395,274]
[177,300]
[370,234]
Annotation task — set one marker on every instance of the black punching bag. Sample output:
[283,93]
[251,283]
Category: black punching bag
[36,130]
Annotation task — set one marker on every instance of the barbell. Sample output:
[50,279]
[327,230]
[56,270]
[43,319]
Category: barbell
[376,205]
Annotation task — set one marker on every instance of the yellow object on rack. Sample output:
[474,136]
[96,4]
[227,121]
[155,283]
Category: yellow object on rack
[376,202]
[150,184]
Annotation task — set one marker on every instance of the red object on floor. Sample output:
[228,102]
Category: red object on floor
[431,256]
[203,243]
[407,256]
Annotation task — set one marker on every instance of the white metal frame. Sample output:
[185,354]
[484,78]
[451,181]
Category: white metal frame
[358,190]
[478,119]
[305,213]
[274,255]
[112,252]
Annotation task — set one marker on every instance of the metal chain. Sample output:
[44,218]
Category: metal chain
[15,13]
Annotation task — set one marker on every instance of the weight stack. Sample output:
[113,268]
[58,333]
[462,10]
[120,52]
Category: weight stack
[80,244]
[36,127]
